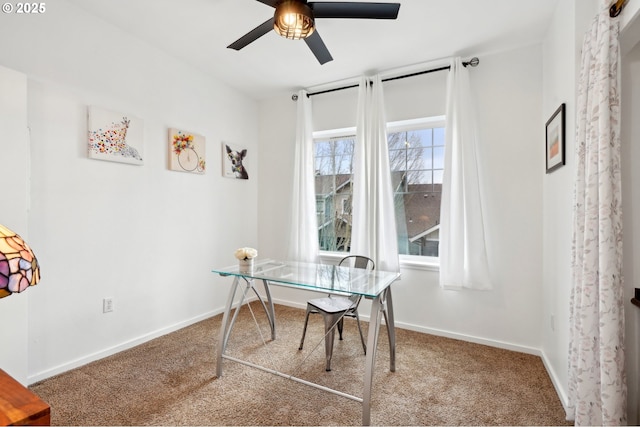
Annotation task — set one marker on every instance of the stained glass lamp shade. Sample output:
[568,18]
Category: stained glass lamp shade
[18,265]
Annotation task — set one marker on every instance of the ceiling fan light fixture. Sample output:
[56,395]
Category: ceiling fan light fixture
[293,20]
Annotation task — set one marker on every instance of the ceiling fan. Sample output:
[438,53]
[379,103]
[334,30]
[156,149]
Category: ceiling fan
[295,19]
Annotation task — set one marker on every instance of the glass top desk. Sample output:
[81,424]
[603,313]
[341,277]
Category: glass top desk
[372,284]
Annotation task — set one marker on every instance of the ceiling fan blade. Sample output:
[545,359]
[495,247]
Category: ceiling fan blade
[252,35]
[271,3]
[347,9]
[319,49]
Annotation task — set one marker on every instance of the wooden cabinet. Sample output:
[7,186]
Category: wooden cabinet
[19,406]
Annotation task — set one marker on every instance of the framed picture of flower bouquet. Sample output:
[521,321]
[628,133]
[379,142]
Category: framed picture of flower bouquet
[186,151]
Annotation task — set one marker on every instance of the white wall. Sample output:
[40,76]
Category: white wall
[630,26]
[14,165]
[630,135]
[508,88]
[559,79]
[415,97]
[143,235]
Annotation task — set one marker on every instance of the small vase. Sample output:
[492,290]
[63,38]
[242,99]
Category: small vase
[246,265]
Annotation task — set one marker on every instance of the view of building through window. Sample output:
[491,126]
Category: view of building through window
[416,157]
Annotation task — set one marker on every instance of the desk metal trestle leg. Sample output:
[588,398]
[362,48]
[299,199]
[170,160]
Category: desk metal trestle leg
[227,323]
[381,305]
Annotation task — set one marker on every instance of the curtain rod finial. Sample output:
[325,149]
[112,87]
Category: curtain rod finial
[616,8]
[473,62]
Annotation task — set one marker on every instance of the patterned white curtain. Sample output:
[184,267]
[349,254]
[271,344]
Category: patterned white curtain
[303,239]
[597,383]
[374,225]
[463,254]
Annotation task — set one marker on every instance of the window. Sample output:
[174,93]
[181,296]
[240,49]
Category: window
[416,157]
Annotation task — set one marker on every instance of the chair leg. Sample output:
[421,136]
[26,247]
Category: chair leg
[364,345]
[340,326]
[330,332]
[304,331]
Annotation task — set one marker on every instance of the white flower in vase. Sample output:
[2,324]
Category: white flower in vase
[245,258]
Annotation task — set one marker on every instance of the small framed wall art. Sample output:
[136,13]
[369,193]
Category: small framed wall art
[232,162]
[115,137]
[555,139]
[186,151]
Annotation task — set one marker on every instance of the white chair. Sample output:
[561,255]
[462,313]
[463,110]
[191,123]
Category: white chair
[334,308]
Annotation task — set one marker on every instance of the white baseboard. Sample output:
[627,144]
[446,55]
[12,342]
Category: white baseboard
[118,348]
[557,384]
[470,338]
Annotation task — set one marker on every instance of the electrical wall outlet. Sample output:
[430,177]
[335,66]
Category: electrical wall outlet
[107,305]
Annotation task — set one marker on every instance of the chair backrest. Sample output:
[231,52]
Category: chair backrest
[358,261]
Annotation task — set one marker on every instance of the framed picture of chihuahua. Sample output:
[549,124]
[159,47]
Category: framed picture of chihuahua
[232,162]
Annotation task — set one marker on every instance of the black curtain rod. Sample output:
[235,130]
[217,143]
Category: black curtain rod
[472,62]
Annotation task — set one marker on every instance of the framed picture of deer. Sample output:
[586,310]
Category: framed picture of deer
[116,137]
[233,162]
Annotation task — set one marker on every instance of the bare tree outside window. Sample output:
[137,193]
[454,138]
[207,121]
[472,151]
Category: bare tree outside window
[416,158]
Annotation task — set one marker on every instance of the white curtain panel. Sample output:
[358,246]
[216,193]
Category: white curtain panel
[374,225]
[303,241]
[597,383]
[463,255]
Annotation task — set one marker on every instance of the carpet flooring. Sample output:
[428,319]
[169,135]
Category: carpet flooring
[171,381]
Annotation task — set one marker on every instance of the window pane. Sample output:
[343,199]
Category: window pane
[437,176]
[409,159]
[397,140]
[324,166]
[420,177]
[438,136]
[438,158]
[419,158]
[323,148]
[420,138]
[344,147]
[344,164]
[333,165]
[418,221]
[398,160]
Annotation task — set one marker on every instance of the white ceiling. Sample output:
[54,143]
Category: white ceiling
[198,31]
